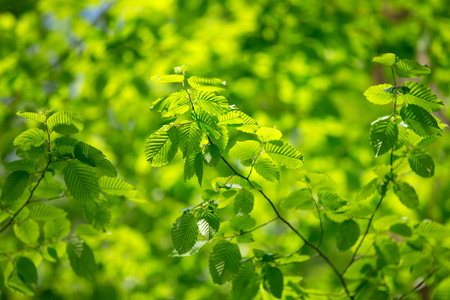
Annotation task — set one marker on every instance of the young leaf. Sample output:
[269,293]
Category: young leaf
[377,95]
[242,223]
[245,150]
[209,223]
[206,123]
[168,78]
[81,182]
[210,102]
[184,233]
[284,154]
[245,284]
[406,194]
[32,138]
[347,234]
[197,246]
[386,59]
[419,120]
[431,229]
[14,186]
[388,252]
[299,199]
[81,259]
[421,162]
[116,186]
[56,229]
[222,140]
[27,231]
[211,155]
[407,68]
[243,202]
[422,96]
[49,189]
[206,84]
[274,280]
[32,116]
[97,213]
[164,103]
[224,262]
[367,190]
[331,201]
[190,138]
[237,119]
[44,212]
[194,166]
[65,122]
[268,134]
[27,165]
[94,157]
[267,169]
[161,147]
[383,135]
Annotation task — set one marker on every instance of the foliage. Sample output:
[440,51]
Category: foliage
[300,65]
[196,226]
[54,166]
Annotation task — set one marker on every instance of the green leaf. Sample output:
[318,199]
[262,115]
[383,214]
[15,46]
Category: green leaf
[401,229]
[299,199]
[237,119]
[24,277]
[274,281]
[268,134]
[387,59]
[419,120]
[14,186]
[422,96]
[32,138]
[65,122]
[184,233]
[388,252]
[406,136]
[376,94]
[94,157]
[421,162]
[245,284]
[33,116]
[32,154]
[170,100]
[242,223]
[27,231]
[210,102]
[211,155]
[284,154]
[116,186]
[407,68]
[222,140]
[81,258]
[81,182]
[168,78]
[224,262]
[206,84]
[206,123]
[331,201]
[197,246]
[86,230]
[267,169]
[347,234]
[367,190]
[64,146]
[56,229]
[406,194]
[245,150]
[194,166]
[243,202]
[97,213]
[442,290]
[161,147]
[44,212]
[383,135]
[190,138]
[27,165]
[209,223]
[431,229]
[49,189]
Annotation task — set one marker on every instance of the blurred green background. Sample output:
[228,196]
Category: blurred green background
[299,65]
